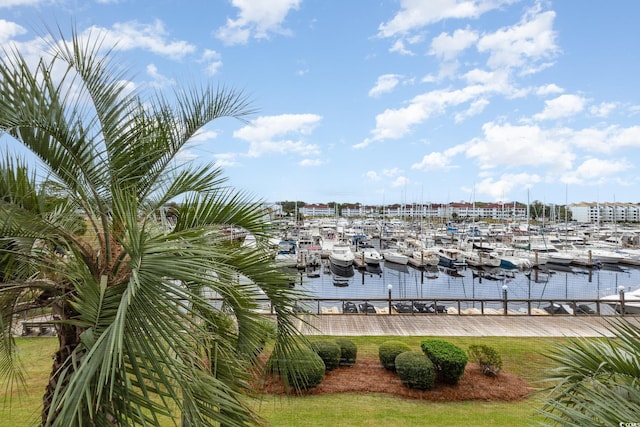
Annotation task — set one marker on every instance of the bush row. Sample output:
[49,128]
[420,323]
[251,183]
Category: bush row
[439,361]
[307,369]
[448,359]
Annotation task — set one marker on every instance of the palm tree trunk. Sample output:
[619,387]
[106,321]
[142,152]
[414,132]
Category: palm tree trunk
[68,340]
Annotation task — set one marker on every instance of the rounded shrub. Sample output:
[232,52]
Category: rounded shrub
[415,370]
[302,371]
[348,351]
[487,357]
[448,359]
[329,351]
[388,351]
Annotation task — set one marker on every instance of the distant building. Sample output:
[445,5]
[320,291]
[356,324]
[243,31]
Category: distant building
[605,212]
[317,210]
[462,210]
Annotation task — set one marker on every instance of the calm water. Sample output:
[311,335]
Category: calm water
[442,284]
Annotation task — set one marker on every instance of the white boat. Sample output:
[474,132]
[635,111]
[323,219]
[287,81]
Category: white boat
[631,302]
[426,257]
[287,255]
[509,258]
[450,257]
[607,256]
[480,259]
[396,257]
[371,256]
[551,255]
[341,255]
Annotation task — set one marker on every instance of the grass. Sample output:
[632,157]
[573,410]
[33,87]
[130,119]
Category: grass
[381,410]
[521,356]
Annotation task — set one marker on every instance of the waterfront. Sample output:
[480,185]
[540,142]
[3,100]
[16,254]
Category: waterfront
[540,285]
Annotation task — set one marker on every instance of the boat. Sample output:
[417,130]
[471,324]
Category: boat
[631,302]
[551,255]
[396,257]
[426,257]
[510,258]
[480,259]
[287,255]
[371,256]
[341,255]
[450,257]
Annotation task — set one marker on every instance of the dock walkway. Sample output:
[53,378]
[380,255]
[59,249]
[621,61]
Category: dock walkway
[430,325]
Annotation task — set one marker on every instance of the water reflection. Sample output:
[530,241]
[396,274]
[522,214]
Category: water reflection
[554,282]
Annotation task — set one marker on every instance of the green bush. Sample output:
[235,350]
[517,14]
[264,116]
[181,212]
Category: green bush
[329,352]
[415,370]
[388,351]
[487,357]
[448,359]
[348,351]
[303,371]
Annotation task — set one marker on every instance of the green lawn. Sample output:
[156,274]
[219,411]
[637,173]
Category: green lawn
[521,356]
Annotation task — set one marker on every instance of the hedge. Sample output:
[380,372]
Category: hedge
[388,351]
[415,370]
[448,359]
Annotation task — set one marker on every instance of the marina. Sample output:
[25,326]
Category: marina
[465,268]
[533,289]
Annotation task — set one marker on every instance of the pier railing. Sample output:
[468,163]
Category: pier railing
[460,306]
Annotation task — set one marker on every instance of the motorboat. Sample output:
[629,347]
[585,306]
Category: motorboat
[286,255]
[631,302]
[341,255]
[426,257]
[371,256]
[551,255]
[396,257]
[480,259]
[450,257]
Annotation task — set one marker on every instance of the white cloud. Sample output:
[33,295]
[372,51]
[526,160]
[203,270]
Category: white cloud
[550,89]
[389,173]
[474,109]
[373,176]
[226,159]
[158,80]
[400,181]
[562,106]
[257,19]
[415,14]
[523,45]
[516,146]
[448,46]
[507,183]
[395,124]
[433,161]
[607,140]
[603,109]
[212,60]
[310,162]
[12,3]
[271,134]
[133,35]
[386,83]
[399,47]
[596,171]
[8,30]
[204,135]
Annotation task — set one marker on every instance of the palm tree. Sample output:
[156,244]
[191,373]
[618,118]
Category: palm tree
[83,236]
[596,382]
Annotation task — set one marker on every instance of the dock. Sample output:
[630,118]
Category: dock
[502,326]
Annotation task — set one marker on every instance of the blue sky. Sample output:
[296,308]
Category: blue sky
[390,101]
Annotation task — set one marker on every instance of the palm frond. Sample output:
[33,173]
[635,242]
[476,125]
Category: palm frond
[596,382]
